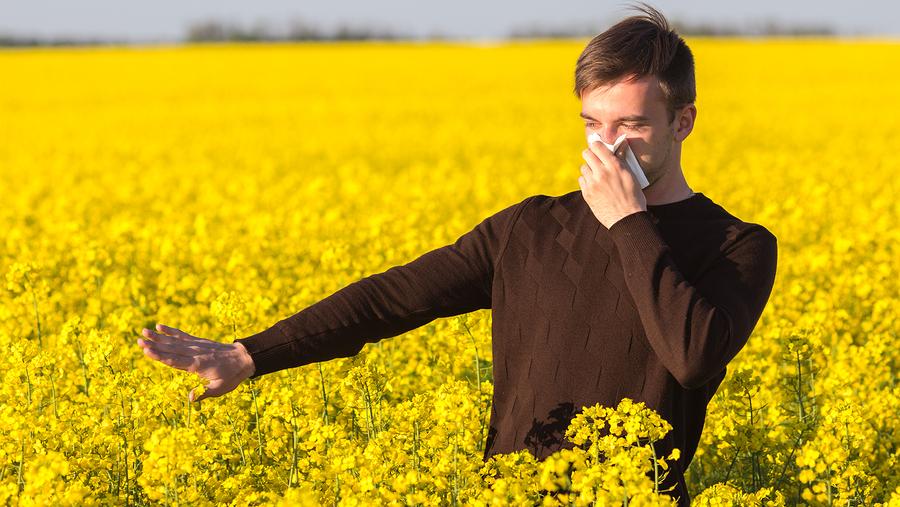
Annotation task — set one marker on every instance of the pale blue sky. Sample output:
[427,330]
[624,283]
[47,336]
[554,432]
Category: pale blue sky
[163,20]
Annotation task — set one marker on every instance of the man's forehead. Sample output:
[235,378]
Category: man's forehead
[622,109]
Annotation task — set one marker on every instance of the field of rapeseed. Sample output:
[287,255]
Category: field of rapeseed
[218,189]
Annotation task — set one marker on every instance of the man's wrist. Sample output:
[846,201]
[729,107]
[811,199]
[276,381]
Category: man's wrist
[267,349]
[246,359]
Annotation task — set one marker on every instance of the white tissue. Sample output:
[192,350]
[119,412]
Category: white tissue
[630,159]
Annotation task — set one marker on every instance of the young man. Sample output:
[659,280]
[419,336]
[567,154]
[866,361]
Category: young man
[605,292]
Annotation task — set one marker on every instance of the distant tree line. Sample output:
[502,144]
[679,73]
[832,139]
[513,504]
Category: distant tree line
[297,30]
[10,40]
[300,30]
[762,28]
[212,30]
[766,27]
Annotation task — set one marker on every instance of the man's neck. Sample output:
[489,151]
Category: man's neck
[672,187]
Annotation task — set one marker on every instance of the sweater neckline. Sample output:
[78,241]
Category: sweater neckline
[677,207]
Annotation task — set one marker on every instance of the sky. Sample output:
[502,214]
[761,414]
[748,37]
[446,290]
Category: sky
[167,20]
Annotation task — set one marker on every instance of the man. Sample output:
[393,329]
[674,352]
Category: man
[605,292]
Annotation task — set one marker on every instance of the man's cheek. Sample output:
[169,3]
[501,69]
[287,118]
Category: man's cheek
[647,153]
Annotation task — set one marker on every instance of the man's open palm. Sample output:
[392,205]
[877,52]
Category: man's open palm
[225,365]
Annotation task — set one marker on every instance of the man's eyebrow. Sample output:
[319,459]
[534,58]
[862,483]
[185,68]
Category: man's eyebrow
[632,117]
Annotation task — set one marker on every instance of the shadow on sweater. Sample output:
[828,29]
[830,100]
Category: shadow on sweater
[545,438]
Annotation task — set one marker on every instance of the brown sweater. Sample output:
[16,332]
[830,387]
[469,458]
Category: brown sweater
[652,309]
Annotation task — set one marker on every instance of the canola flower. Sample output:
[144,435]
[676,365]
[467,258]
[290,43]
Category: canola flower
[220,188]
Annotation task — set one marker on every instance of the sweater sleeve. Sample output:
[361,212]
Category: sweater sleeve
[696,329]
[450,280]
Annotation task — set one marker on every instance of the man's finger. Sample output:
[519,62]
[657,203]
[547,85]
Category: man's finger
[586,171]
[199,344]
[593,161]
[182,349]
[603,159]
[192,340]
[607,157]
[157,337]
[601,152]
[174,360]
[171,331]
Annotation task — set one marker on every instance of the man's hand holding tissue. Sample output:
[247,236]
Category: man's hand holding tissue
[608,186]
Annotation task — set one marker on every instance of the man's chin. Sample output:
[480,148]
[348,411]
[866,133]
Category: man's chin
[656,175]
[651,180]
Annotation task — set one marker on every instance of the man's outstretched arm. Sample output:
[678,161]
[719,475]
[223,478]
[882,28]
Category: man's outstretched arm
[449,280]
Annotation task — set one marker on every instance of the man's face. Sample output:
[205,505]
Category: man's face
[638,109]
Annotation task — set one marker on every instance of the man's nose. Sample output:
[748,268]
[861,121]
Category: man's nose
[609,134]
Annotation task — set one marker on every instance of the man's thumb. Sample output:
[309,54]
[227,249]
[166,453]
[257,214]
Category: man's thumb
[194,396]
[214,388]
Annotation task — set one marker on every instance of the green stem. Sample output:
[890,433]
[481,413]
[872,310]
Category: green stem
[337,489]
[455,468]
[84,371]
[753,455]
[100,300]
[37,315]
[258,430]
[481,408]
[239,440]
[125,439]
[294,444]
[416,452]
[800,386]
[53,393]
[737,453]
[28,380]
[324,394]
[19,481]
[370,423]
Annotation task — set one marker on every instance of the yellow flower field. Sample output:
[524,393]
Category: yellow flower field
[220,188]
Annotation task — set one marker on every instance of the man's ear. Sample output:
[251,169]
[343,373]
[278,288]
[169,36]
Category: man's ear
[684,122]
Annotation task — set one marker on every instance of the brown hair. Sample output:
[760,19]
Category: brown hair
[640,45]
